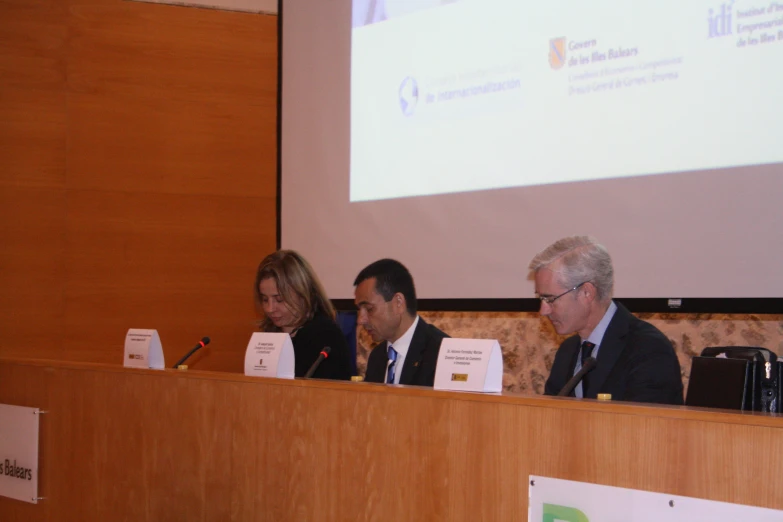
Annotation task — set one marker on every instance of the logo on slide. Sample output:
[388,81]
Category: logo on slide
[409,95]
[553,512]
[719,21]
[557,52]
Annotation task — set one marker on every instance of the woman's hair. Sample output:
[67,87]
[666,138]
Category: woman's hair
[298,286]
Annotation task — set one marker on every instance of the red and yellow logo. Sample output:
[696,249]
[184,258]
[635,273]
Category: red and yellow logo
[557,52]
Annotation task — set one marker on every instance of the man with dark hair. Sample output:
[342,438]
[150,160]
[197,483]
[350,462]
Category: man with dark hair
[407,349]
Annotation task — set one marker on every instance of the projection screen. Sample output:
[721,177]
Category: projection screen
[463,136]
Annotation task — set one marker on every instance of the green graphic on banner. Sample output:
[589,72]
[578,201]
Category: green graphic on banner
[555,513]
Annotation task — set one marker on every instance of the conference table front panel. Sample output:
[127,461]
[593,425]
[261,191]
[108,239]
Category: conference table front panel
[156,445]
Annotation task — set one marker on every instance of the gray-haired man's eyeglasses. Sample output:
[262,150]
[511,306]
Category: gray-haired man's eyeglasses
[549,299]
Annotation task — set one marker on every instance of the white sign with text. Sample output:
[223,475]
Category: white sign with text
[19,452]
[474,365]
[569,501]
[270,355]
[143,349]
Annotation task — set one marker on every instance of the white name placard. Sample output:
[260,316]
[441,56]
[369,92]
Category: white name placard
[270,355]
[474,365]
[143,349]
[19,452]
[569,501]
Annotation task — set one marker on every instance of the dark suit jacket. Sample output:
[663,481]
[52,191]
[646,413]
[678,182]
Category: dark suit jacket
[308,342]
[419,367]
[635,362]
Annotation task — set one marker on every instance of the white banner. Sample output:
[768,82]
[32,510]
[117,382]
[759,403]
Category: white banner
[19,452]
[559,500]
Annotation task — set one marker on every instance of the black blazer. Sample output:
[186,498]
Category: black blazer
[419,367]
[636,362]
[308,342]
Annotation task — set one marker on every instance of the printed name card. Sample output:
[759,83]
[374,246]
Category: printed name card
[270,355]
[143,349]
[474,365]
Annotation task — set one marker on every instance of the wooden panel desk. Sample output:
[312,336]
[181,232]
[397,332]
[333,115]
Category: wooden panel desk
[145,445]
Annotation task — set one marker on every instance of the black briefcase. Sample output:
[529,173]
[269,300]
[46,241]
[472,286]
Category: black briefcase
[763,384]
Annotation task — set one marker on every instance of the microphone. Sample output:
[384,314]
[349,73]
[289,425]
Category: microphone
[202,343]
[321,356]
[588,365]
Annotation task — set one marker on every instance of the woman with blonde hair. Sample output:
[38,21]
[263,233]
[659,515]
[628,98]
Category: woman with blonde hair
[294,302]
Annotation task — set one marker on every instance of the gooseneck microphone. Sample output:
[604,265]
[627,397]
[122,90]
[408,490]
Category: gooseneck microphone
[202,343]
[588,365]
[321,356]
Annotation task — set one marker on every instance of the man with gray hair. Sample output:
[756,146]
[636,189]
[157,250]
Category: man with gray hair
[634,360]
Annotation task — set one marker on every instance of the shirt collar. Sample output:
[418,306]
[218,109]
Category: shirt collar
[597,335]
[402,344]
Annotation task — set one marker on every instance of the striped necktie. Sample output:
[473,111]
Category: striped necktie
[391,365]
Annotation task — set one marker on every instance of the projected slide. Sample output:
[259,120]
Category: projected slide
[465,95]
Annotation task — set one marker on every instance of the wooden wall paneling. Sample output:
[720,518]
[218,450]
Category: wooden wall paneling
[74,425]
[248,499]
[218,148]
[480,461]
[426,465]
[32,135]
[173,117]
[216,448]
[149,451]
[375,492]
[32,98]
[32,174]
[351,452]
[104,98]
[121,446]
[32,271]
[252,6]
[32,44]
[171,52]
[715,465]
[287,481]
[171,99]
[179,263]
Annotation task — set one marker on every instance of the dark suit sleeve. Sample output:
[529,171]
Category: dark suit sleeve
[562,366]
[425,376]
[308,342]
[552,385]
[376,364]
[653,371]
[338,364]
